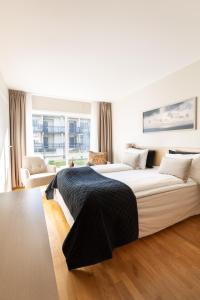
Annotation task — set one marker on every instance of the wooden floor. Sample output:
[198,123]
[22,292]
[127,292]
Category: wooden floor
[165,265]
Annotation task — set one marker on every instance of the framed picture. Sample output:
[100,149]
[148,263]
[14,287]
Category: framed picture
[181,115]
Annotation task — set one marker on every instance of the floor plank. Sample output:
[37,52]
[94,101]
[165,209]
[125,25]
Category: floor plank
[164,266]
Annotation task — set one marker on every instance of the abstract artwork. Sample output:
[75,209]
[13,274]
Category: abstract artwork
[181,115]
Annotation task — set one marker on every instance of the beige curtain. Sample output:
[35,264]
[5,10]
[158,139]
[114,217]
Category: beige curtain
[17,109]
[105,129]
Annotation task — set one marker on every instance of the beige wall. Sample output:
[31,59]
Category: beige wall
[127,112]
[5,183]
[60,105]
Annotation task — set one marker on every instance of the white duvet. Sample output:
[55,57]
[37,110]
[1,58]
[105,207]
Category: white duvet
[142,182]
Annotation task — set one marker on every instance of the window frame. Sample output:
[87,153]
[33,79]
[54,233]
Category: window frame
[66,115]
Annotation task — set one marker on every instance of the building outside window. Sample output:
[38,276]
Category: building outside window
[60,139]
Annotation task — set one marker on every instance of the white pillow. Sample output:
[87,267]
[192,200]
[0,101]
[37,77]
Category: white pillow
[131,159]
[142,156]
[195,169]
[195,166]
[178,167]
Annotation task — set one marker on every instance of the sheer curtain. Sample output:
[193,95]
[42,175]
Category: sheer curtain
[94,141]
[17,111]
[105,129]
[29,127]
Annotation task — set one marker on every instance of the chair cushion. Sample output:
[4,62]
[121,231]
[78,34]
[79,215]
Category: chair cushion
[40,179]
[34,164]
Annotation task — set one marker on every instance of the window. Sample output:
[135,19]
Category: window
[60,139]
[78,139]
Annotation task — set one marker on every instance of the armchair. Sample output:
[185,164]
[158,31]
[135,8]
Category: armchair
[35,172]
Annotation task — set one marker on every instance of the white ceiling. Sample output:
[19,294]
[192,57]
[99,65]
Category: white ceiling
[95,50]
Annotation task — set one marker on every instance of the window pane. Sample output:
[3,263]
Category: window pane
[78,140]
[49,138]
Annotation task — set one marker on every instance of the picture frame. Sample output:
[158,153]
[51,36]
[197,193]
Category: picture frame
[178,116]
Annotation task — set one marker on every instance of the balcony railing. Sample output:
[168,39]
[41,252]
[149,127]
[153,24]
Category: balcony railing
[48,129]
[78,130]
[73,147]
[48,148]
[58,129]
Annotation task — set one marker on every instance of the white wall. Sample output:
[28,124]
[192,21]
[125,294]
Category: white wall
[5,182]
[127,112]
[57,105]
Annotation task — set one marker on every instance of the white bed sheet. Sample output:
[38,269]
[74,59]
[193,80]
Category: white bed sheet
[109,168]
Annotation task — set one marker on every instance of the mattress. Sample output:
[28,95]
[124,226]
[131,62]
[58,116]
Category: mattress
[162,200]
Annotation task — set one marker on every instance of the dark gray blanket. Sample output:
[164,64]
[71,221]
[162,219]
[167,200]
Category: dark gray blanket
[104,211]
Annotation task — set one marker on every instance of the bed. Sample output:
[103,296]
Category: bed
[169,202]
[161,200]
